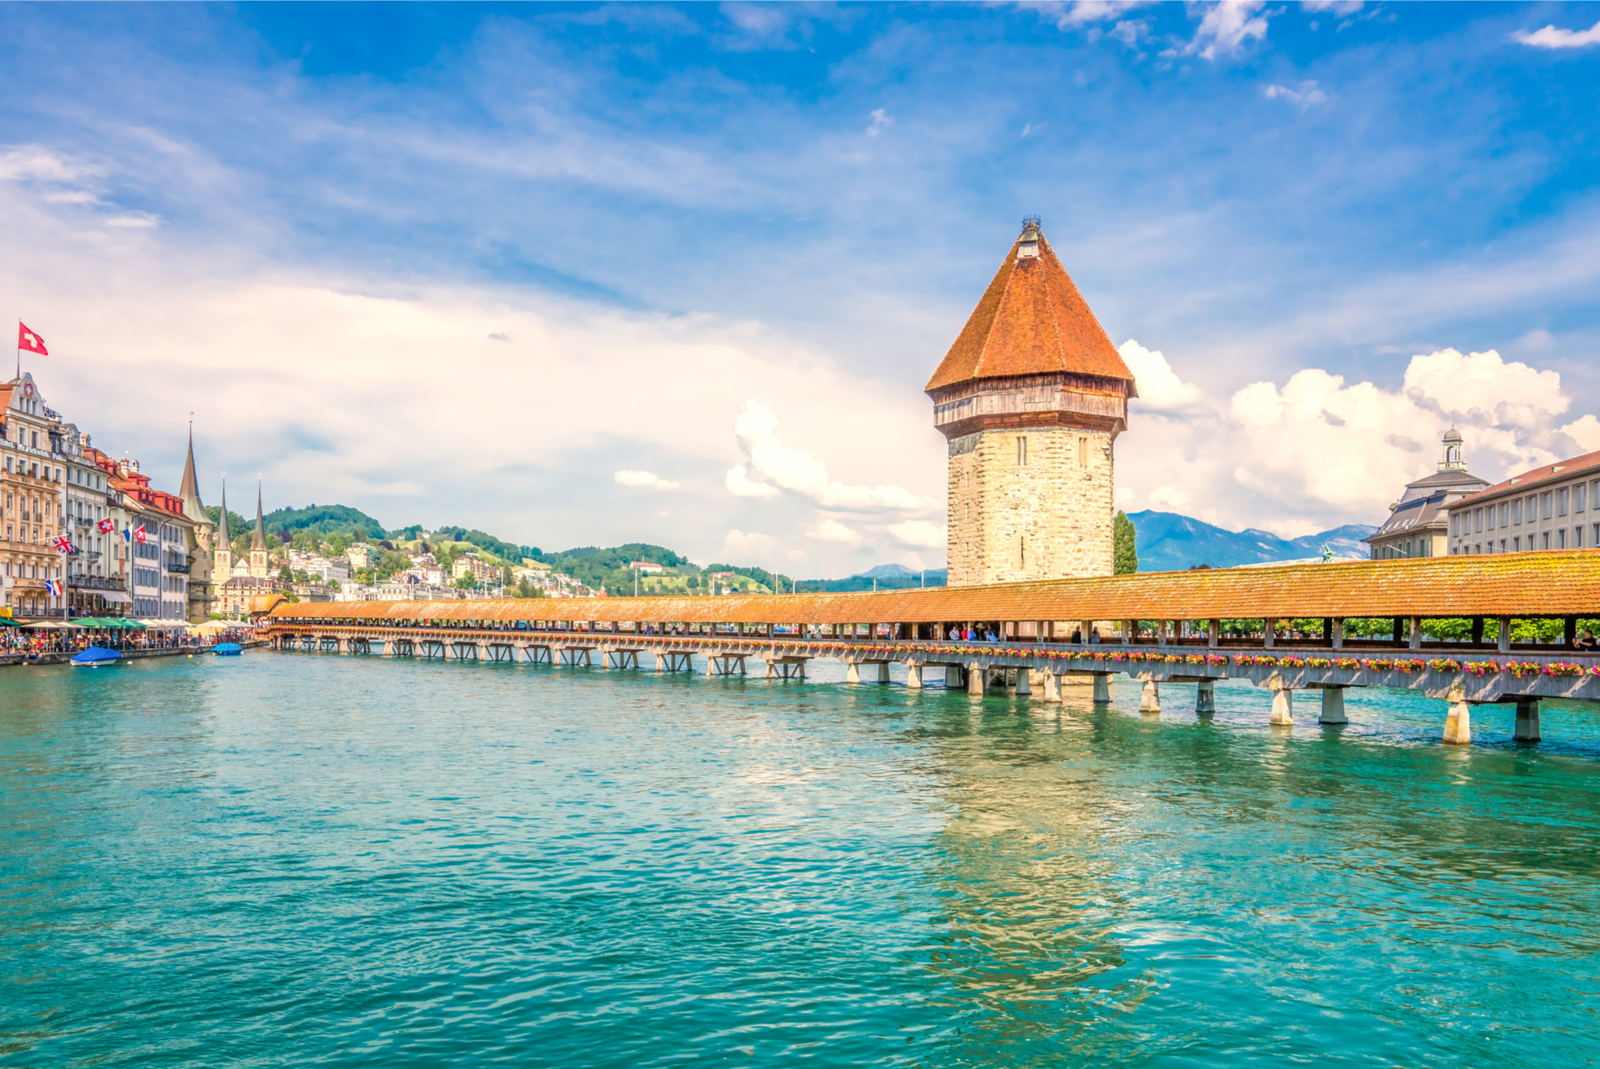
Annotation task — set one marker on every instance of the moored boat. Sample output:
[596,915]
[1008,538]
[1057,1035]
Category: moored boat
[94,657]
[227,649]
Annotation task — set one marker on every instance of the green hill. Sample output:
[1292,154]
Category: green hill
[319,519]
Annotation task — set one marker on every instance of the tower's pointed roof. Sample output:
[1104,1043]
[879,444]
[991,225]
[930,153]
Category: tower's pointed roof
[1031,321]
[189,489]
[260,540]
[222,519]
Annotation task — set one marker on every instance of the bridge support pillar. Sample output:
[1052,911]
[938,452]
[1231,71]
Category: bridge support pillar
[1102,688]
[852,674]
[1333,706]
[913,677]
[975,674]
[1458,724]
[1282,706]
[1150,700]
[1205,700]
[1024,683]
[883,671]
[1527,729]
[952,677]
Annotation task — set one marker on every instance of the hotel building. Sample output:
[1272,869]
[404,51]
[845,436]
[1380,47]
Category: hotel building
[1549,507]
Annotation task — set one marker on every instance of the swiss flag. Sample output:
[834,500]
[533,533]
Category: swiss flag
[138,535]
[107,526]
[27,339]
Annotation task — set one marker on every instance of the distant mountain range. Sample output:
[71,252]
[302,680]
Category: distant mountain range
[1169,542]
[1166,541]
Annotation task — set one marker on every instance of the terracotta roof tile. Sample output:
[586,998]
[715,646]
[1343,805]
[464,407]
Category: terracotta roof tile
[1031,321]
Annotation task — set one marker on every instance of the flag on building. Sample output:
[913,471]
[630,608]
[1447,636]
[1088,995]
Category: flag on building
[106,526]
[53,587]
[138,536]
[64,544]
[27,339]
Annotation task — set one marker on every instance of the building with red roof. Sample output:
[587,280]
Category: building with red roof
[1031,398]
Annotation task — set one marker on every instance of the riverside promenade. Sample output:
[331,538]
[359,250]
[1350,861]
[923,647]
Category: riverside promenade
[1163,627]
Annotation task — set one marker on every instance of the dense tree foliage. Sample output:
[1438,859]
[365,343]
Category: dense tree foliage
[1124,547]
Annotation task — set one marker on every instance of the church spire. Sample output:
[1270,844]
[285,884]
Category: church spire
[222,517]
[260,540]
[189,489]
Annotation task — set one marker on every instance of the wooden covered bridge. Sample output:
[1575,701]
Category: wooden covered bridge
[1156,627]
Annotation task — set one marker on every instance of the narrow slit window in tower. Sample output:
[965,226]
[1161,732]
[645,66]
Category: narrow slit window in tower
[1083,452]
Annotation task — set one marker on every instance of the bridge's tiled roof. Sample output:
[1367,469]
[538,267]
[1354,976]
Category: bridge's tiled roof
[1031,321]
[1518,584]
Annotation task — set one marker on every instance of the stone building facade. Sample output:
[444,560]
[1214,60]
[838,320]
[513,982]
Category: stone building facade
[1031,398]
[33,485]
[1418,524]
[1555,506]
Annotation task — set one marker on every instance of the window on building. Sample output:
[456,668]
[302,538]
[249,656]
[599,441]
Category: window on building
[1516,544]
[1083,452]
[1561,538]
[1477,520]
[1561,501]
[1577,538]
[1516,511]
[1502,545]
[1503,523]
[1547,540]
[1578,497]
[1545,512]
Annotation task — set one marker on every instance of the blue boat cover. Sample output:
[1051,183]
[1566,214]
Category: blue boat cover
[96,655]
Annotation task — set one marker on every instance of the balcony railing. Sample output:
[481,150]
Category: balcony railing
[181,567]
[96,582]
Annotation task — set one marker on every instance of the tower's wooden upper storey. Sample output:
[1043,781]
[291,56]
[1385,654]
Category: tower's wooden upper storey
[1031,355]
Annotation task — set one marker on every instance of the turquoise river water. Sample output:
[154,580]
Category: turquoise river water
[299,859]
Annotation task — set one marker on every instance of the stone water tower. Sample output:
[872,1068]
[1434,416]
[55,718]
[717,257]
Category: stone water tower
[1031,396]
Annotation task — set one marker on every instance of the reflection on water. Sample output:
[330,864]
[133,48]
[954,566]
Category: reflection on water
[287,859]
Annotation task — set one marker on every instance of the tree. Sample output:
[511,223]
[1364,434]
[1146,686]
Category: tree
[1124,551]
[393,562]
[466,582]
[286,575]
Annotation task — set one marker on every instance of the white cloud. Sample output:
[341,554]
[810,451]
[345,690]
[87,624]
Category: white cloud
[644,478]
[801,472]
[134,220]
[1226,26]
[750,546]
[1552,37]
[880,119]
[1334,7]
[919,533]
[828,529]
[740,484]
[23,162]
[1307,95]
[1318,451]
[1086,11]
[1160,389]
[1585,431]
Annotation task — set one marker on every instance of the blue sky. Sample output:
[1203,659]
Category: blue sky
[560,271]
